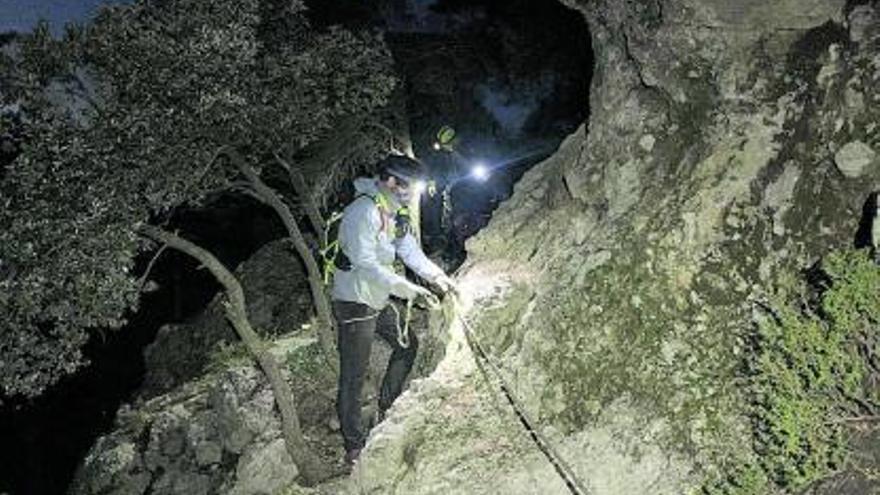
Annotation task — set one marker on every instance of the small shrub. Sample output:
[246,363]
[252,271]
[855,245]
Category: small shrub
[809,369]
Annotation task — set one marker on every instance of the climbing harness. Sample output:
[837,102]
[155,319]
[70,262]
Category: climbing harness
[359,318]
[575,486]
[403,335]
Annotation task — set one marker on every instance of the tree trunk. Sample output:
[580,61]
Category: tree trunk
[236,313]
[325,328]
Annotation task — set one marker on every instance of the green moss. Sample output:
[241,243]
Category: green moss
[747,479]
[854,301]
[632,333]
[805,373]
[306,361]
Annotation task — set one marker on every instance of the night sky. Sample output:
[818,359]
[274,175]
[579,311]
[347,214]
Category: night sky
[22,15]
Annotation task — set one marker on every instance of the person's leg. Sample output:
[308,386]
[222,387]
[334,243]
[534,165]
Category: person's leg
[402,358]
[356,325]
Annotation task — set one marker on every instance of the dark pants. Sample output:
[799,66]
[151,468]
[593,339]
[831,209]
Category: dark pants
[355,341]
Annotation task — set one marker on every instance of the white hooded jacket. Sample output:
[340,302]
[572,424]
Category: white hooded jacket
[366,237]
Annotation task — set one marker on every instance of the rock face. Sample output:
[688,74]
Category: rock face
[730,144]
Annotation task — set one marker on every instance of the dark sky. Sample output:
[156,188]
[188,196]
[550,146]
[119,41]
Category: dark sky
[21,15]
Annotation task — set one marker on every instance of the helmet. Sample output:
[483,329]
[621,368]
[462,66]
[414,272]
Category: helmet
[404,168]
[445,139]
[445,135]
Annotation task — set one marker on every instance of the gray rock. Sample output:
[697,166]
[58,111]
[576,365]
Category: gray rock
[781,14]
[863,24]
[208,453]
[112,467]
[854,159]
[177,443]
[779,195]
[264,470]
[277,295]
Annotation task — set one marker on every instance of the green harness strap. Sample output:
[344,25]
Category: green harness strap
[330,251]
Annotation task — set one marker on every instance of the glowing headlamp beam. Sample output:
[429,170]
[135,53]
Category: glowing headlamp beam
[480,171]
[419,186]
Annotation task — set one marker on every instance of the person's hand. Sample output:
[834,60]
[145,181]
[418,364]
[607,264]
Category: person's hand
[446,284]
[411,291]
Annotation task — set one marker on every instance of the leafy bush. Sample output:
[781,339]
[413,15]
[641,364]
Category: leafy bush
[810,371]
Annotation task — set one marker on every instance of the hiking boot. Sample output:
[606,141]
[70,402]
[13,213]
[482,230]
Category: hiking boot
[351,456]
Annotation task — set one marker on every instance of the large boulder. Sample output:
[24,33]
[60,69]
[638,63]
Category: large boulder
[278,301]
[218,435]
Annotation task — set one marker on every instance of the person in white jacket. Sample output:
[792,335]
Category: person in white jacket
[372,234]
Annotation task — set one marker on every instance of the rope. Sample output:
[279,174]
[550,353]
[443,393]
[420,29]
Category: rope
[403,337]
[403,333]
[572,482]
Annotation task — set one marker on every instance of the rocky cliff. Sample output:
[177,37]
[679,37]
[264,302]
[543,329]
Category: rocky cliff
[625,289]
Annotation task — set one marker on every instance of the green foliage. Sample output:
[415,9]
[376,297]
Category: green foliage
[808,372]
[306,360]
[123,122]
[747,479]
[797,371]
[853,304]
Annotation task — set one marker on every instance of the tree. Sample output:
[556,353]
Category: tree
[170,88]
[236,313]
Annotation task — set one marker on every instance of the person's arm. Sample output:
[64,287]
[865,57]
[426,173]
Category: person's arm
[414,258]
[359,231]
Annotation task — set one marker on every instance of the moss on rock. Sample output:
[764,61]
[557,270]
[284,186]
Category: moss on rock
[806,374]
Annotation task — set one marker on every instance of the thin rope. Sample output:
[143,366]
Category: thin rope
[563,469]
[403,333]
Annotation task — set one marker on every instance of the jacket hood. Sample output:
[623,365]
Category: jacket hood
[366,185]
[369,186]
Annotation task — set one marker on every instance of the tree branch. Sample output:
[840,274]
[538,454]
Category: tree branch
[306,199]
[236,313]
[143,280]
[265,194]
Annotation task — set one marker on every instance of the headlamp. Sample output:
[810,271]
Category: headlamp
[419,186]
[480,171]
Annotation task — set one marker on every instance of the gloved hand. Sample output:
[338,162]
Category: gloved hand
[409,291]
[446,284]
